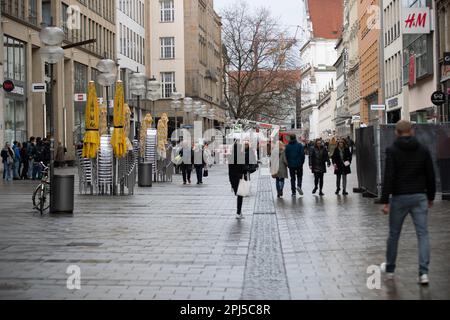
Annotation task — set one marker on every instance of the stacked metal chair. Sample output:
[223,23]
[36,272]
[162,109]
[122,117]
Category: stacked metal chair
[105,160]
[150,155]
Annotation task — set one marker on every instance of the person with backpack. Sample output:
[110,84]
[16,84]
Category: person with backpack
[318,159]
[187,154]
[295,156]
[7,155]
[199,162]
[37,158]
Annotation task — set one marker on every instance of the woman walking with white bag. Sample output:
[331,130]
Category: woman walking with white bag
[342,159]
[238,172]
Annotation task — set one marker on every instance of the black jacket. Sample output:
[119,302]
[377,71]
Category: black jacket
[318,159]
[339,162]
[409,169]
[238,164]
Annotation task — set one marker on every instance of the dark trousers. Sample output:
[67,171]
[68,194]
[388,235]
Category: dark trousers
[199,172]
[296,173]
[186,170]
[344,181]
[24,174]
[239,204]
[318,180]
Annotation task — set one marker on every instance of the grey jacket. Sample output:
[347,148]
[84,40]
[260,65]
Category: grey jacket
[279,170]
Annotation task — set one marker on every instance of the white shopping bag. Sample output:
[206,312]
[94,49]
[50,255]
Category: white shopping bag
[244,188]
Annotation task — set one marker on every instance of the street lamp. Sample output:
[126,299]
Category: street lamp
[106,78]
[137,88]
[188,105]
[153,93]
[175,105]
[51,53]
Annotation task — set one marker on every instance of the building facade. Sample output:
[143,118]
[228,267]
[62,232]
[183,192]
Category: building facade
[318,56]
[443,26]
[24,113]
[326,105]
[369,60]
[131,49]
[393,62]
[186,57]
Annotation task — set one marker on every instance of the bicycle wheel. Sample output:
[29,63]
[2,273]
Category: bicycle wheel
[41,199]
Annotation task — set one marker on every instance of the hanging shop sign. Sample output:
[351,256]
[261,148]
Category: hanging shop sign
[446,58]
[412,70]
[438,98]
[80,97]
[416,20]
[8,85]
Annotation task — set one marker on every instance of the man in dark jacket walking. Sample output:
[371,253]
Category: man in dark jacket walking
[295,156]
[409,177]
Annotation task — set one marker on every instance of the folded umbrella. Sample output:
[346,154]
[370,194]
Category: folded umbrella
[118,140]
[91,139]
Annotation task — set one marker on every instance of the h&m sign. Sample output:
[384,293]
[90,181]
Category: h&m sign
[416,20]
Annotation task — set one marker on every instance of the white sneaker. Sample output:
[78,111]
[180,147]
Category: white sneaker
[389,275]
[239,216]
[423,279]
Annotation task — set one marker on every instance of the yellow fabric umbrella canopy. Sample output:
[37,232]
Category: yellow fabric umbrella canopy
[118,139]
[91,140]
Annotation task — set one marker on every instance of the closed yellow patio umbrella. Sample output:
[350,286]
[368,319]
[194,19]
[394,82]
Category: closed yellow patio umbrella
[118,140]
[91,140]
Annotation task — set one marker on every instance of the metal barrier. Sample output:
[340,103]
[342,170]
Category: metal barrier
[371,144]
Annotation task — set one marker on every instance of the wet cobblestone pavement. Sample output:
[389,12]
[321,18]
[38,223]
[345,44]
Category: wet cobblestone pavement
[183,242]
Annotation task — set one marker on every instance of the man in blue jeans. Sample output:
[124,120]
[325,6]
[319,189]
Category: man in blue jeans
[295,156]
[409,177]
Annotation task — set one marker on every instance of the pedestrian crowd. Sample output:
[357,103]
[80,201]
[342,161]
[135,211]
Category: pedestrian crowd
[22,161]
[290,159]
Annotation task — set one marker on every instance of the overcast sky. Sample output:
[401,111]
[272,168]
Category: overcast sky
[289,11]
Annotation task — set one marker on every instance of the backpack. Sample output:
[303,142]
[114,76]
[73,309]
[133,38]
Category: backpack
[39,154]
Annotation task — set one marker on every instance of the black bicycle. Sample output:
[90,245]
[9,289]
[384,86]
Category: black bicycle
[41,196]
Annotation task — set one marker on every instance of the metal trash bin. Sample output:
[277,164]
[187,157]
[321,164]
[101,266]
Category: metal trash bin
[145,174]
[63,193]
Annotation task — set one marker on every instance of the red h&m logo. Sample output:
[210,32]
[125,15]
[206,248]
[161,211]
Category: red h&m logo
[418,20]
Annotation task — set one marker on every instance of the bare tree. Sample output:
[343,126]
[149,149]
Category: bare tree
[259,69]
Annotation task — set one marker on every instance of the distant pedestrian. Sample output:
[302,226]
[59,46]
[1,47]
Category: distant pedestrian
[295,156]
[25,161]
[7,155]
[318,159]
[199,162]
[409,177]
[187,154]
[16,165]
[37,158]
[342,159]
[31,151]
[279,167]
[350,144]
[239,164]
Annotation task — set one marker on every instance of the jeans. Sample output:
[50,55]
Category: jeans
[344,181]
[240,200]
[417,206]
[318,180]
[7,174]
[16,168]
[279,182]
[37,171]
[199,172]
[30,168]
[293,173]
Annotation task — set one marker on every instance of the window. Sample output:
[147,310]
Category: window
[167,11]
[167,48]
[167,83]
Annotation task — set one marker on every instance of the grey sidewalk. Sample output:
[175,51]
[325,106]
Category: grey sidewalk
[183,242]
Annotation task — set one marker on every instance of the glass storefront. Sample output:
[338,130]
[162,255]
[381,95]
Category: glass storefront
[80,86]
[15,111]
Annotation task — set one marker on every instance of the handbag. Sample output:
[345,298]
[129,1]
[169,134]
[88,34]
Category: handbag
[205,173]
[177,160]
[243,188]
